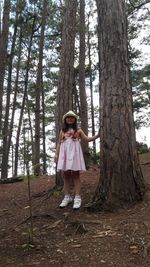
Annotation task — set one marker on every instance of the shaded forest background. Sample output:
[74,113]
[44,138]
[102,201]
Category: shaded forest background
[30,46]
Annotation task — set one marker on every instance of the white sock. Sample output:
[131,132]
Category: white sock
[67,196]
[77,196]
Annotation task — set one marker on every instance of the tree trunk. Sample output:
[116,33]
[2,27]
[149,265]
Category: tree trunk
[43,131]
[4,171]
[121,180]
[83,98]
[3,51]
[38,92]
[15,96]
[23,101]
[91,89]
[65,83]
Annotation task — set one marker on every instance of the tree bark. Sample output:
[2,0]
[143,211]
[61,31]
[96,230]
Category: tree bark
[24,99]
[43,131]
[4,171]
[91,89]
[82,91]
[38,92]
[15,96]
[65,82]
[121,180]
[3,51]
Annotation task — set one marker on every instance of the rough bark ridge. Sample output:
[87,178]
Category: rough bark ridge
[121,180]
[66,76]
[3,51]
[39,84]
[65,83]
[82,91]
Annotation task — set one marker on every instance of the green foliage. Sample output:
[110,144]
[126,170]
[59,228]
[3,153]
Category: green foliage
[141,94]
[142,148]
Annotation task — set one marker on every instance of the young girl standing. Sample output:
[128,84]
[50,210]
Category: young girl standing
[69,157]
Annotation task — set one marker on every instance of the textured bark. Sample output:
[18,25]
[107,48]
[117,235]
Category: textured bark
[65,83]
[66,77]
[38,92]
[23,101]
[43,132]
[91,90]
[121,180]
[3,51]
[4,171]
[83,98]
[15,98]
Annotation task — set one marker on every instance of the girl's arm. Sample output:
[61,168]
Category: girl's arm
[58,147]
[87,138]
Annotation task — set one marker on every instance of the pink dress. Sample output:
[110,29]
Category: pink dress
[70,154]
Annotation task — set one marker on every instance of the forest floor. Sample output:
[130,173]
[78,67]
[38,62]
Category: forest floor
[68,238]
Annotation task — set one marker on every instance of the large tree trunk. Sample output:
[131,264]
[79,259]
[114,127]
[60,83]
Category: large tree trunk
[3,51]
[121,180]
[38,92]
[83,97]
[5,130]
[65,83]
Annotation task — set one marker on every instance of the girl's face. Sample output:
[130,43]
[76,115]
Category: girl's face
[70,120]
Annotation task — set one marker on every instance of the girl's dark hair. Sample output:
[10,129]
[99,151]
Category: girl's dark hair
[66,126]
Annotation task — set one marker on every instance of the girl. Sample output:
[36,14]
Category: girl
[69,157]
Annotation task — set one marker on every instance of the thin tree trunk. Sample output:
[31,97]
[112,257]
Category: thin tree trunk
[121,180]
[83,98]
[43,130]
[3,51]
[15,95]
[91,90]
[31,131]
[38,92]
[4,171]
[23,101]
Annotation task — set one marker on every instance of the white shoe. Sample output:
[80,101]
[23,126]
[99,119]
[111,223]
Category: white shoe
[77,203]
[67,200]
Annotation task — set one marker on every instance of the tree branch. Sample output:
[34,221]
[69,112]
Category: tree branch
[137,7]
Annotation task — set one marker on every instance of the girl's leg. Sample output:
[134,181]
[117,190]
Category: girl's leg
[67,180]
[67,198]
[77,182]
[77,185]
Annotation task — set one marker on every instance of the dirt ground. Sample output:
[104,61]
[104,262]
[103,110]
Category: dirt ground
[68,238]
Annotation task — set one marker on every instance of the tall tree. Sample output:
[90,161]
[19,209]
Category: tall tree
[39,83]
[8,100]
[27,67]
[91,83]
[83,98]
[121,180]
[3,51]
[66,72]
